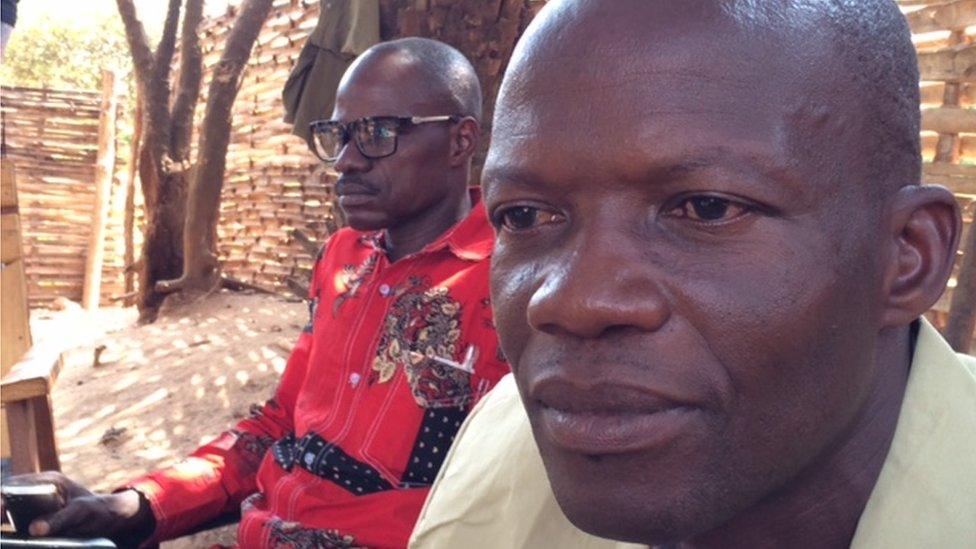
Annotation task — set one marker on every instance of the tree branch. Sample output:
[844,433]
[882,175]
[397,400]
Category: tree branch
[167,43]
[154,93]
[135,35]
[200,265]
[191,76]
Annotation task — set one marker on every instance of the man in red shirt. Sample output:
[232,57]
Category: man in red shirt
[399,346]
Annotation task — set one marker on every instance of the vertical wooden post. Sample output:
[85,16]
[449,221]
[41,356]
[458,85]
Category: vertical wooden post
[130,200]
[962,311]
[947,147]
[103,192]
[15,336]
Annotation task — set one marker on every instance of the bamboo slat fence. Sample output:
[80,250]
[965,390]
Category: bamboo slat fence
[945,37]
[51,138]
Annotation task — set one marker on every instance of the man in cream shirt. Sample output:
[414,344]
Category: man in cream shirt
[713,254]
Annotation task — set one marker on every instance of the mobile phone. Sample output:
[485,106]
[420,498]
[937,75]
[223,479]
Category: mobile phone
[56,543]
[27,502]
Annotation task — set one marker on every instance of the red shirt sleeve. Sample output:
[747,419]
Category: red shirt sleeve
[216,477]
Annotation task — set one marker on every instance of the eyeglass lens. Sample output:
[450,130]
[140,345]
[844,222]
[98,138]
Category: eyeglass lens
[374,138]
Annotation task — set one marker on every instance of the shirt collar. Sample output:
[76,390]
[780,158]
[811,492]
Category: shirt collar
[470,239]
[921,496]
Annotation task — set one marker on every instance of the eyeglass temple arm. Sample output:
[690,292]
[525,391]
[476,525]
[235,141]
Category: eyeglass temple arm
[424,119]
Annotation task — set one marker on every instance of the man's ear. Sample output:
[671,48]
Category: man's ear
[924,228]
[465,137]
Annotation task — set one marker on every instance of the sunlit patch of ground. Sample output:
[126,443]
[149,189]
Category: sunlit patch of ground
[162,389]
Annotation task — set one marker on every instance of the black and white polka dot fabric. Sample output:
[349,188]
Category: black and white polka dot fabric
[434,439]
[326,460]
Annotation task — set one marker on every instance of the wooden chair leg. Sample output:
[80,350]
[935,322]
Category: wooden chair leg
[47,448]
[23,437]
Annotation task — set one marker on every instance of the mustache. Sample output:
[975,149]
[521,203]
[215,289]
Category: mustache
[352,184]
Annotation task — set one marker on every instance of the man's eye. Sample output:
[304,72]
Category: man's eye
[709,209]
[522,218]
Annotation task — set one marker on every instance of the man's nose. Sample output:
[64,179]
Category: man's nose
[600,286]
[350,159]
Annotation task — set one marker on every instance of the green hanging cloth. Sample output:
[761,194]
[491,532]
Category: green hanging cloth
[346,28]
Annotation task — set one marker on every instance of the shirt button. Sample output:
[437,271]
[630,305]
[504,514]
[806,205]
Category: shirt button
[384,290]
[354,379]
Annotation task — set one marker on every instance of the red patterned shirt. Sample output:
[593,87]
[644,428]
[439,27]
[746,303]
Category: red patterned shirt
[368,405]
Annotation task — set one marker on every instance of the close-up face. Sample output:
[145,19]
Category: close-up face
[384,193]
[677,287]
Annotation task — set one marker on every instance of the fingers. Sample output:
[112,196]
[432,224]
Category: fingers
[75,518]
[66,487]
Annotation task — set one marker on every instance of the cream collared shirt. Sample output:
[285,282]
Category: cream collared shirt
[492,490]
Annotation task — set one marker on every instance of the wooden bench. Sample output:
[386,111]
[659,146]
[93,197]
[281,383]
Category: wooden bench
[28,372]
[26,395]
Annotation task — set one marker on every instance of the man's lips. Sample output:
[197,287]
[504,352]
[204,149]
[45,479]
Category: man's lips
[345,187]
[609,418]
[353,194]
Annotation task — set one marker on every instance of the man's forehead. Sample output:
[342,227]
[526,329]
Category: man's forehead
[385,90]
[710,83]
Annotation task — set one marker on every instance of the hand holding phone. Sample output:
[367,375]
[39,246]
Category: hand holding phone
[70,510]
[24,503]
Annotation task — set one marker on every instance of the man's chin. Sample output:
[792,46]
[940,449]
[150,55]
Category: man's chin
[617,497]
[622,519]
[364,220]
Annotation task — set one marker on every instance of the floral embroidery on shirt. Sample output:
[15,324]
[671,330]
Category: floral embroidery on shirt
[292,535]
[352,278]
[423,323]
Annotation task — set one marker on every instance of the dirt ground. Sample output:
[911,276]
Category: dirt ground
[160,390]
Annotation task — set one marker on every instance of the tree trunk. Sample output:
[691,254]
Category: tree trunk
[162,174]
[485,31]
[168,262]
[201,270]
[162,252]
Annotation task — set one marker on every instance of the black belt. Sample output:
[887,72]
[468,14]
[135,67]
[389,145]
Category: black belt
[326,460]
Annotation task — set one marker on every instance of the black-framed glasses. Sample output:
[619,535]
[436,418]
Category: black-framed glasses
[375,136]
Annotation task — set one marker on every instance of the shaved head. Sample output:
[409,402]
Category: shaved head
[850,59]
[445,73]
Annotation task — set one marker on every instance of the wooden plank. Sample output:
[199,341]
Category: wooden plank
[950,65]
[8,185]
[958,185]
[45,440]
[14,317]
[949,120]
[962,313]
[939,17]
[34,375]
[966,143]
[951,170]
[10,248]
[23,447]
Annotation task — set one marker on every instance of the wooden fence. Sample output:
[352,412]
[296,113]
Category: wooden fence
[51,137]
[945,37]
